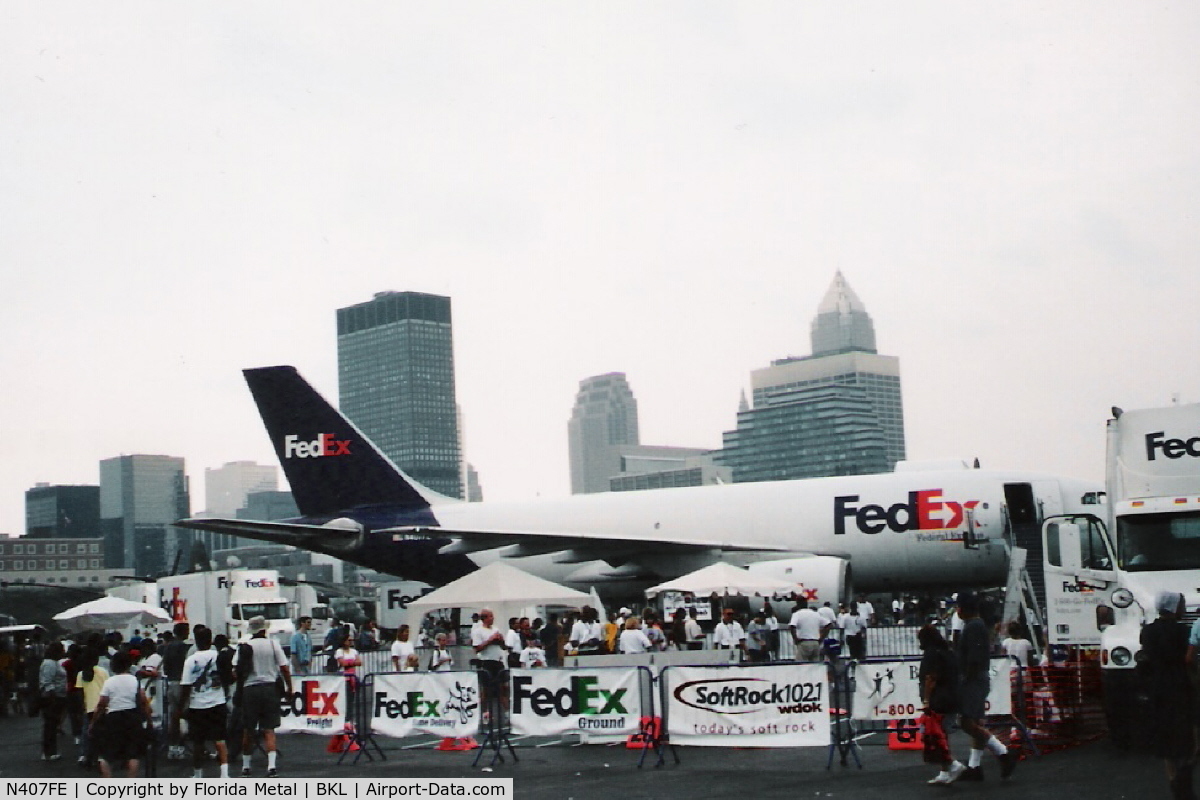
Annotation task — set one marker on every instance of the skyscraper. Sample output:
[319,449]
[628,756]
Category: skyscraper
[836,412]
[396,383]
[604,418]
[140,496]
[62,512]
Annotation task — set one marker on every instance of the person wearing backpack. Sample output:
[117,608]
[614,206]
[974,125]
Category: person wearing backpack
[202,698]
[260,662]
[174,654]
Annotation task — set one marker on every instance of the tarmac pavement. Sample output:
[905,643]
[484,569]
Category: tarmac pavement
[580,772]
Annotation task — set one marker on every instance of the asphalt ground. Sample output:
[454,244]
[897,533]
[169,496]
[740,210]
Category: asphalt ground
[551,769]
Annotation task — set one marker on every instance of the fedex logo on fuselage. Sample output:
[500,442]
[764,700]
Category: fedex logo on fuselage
[924,511]
[324,445]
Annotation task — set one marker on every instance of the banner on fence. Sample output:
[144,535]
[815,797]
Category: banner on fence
[443,704]
[549,702]
[890,690]
[777,706]
[317,704]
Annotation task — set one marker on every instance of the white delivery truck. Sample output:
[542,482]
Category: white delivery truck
[226,600]
[1146,541]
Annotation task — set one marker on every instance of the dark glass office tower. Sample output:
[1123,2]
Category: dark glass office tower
[396,383]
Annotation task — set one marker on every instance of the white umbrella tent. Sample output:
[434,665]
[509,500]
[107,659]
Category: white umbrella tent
[110,613]
[724,579]
[501,587]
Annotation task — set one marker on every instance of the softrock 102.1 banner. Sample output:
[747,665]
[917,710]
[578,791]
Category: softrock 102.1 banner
[777,706]
[440,703]
[549,702]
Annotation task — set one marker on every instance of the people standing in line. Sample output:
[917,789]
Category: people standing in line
[73,709]
[440,659]
[695,634]
[854,628]
[488,644]
[90,680]
[633,640]
[768,615]
[1016,645]
[1165,658]
[866,611]
[974,661]
[514,642]
[729,634]
[587,635]
[261,662]
[758,639]
[549,635]
[52,684]
[404,654]
[654,632]
[174,653]
[937,680]
[121,718]
[807,632]
[829,619]
[202,699]
[301,647]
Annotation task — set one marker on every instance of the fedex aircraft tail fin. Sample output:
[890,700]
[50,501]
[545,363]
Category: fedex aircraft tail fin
[331,465]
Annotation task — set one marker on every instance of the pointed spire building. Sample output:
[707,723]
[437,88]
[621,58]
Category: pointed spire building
[836,412]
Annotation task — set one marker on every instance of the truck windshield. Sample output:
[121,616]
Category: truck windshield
[1156,542]
[264,610]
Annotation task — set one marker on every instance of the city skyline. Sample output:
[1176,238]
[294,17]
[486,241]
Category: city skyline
[662,191]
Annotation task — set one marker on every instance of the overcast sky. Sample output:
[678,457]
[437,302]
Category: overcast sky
[663,189]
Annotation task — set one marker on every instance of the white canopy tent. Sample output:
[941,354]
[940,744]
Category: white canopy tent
[110,613]
[501,587]
[724,579]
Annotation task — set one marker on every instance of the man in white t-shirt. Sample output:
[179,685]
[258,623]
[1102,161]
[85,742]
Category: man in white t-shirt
[855,629]
[729,634]
[204,698]
[866,611]
[807,630]
[260,699]
[693,631]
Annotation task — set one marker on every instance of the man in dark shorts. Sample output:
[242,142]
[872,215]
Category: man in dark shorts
[974,660]
[202,698]
[260,662]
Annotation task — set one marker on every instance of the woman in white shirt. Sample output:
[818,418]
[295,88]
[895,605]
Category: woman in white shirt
[119,717]
[632,640]
[440,659]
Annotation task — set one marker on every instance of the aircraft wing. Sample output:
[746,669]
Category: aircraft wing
[570,547]
[329,537]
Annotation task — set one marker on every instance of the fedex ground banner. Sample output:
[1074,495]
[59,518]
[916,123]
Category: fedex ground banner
[439,703]
[317,705]
[891,690]
[786,705]
[549,702]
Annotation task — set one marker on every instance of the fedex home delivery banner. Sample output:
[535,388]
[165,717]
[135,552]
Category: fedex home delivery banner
[777,706]
[549,702]
[317,705]
[440,703]
[890,690]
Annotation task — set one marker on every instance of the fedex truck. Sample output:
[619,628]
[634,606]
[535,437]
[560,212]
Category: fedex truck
[226,600]
[1147,540]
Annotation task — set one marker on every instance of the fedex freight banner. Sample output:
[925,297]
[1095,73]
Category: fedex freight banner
[317,705]
[439,703]
[776,706]
[552,702]
[891,690]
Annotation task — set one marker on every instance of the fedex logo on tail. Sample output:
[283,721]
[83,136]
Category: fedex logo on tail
[324,445]
[924,511]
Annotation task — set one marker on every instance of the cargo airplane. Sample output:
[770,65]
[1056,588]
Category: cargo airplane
[916,527]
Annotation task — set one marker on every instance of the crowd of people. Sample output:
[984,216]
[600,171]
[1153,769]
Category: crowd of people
[103,686]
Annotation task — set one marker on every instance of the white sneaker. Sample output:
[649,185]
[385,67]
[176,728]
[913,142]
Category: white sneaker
[956,770]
